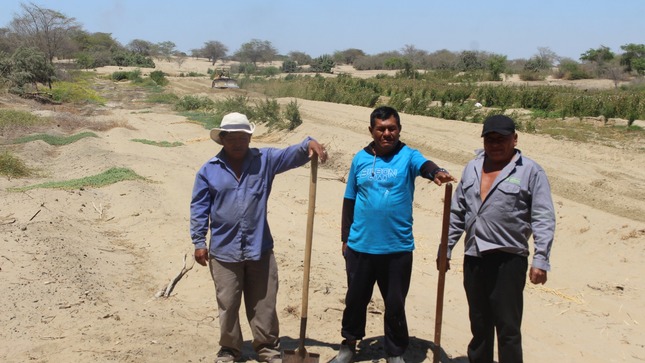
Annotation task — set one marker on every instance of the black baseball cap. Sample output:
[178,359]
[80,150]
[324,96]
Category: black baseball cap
[499,123]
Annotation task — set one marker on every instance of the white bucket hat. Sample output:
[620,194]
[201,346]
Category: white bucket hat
[232,122]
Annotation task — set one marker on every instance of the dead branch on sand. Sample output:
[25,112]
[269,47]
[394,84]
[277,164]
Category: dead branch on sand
[165,292]
[98,209]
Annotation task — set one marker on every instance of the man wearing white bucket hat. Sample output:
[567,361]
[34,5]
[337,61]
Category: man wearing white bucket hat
[230,197]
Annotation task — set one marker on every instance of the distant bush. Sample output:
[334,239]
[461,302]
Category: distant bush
[131,59]
[289,66]
[531,75]
[191,74]
[16,119]
[134,75]
[158,143]
[322,64]
[159,77]
[13,167]
[110,176]
[93,59]
[189,103]
[76,92]
[267,112]
[269,71]
[167,98]
[245,68]
[570,70]
[235,104]
[55,140]
[292,115]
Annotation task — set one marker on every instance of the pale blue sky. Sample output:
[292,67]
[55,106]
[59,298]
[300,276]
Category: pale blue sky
[515,28]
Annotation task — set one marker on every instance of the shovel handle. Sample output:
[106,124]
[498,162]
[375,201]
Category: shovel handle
[309,237]
[443,261]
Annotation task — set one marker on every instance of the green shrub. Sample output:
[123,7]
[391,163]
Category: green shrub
[530,75]
[267,112]
[75,92]
[54,139]
[207,119]
[159,77]
[158,143]
[12,167]
[110,176]
[289,66]
[189,103]
[571,70]
[134,75]
[246,68]
[270,71]
[131,59]
[17,118]
[322,64]
[167,98]
[235,104]
[292,115]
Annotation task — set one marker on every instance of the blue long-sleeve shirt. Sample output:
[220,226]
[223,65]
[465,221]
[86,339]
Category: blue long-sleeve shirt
[236,210]
[518,204]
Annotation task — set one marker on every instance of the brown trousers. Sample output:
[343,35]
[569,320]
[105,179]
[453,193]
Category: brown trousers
[257,281]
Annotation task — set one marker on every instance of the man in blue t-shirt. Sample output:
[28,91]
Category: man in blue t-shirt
[377,232]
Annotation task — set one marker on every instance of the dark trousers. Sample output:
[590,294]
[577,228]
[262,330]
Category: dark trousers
[494,287]
[392,273]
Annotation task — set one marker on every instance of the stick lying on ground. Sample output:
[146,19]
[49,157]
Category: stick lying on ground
[165,292]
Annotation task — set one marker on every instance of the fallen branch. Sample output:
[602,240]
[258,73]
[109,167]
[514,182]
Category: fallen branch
[34,216]
[165,292]
[99,210]
[7,219]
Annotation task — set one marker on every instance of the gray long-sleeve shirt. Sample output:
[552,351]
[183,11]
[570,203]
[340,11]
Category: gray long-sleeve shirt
[518,204]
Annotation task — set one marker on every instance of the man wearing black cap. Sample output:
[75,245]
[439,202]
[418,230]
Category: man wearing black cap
[502,198]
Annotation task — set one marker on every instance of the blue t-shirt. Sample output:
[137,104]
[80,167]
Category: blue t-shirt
[383,189]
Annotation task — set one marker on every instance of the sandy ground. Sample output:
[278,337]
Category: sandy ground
[80,268]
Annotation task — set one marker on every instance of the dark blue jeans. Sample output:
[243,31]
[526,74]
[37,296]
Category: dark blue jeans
[494,287]
[392,274]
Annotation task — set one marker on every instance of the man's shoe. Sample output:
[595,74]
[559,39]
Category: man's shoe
[346,353]
[397,359]
[227,355]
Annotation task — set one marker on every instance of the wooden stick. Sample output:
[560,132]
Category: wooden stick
[443,262]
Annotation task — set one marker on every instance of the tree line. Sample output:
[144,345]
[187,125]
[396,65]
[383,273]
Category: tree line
[37,36]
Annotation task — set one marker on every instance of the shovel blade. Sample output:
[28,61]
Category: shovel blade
[299,356]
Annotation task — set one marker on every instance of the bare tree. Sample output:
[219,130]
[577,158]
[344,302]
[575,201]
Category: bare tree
[164,50]
[348,56]
[414,55]
[548,56]
[180,59]
[301,58]
[614,70]
[214,50]
[46,29]
[8,43]
[257,51]
[140,46]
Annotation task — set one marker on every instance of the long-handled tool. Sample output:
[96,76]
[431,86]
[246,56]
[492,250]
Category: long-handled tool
[301,355]
[443,262]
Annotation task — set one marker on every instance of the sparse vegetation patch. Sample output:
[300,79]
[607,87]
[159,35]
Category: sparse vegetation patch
[110,176]
[55,140]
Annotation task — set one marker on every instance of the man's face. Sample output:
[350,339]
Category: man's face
[500,148]
[385,134]
[236,144]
